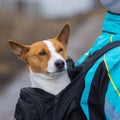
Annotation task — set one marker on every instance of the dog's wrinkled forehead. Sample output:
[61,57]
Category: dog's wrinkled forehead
[54,48]
[50,46]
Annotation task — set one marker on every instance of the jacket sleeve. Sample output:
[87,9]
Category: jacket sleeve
[111,5]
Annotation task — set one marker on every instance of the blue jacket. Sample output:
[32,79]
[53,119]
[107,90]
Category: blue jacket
[109,64]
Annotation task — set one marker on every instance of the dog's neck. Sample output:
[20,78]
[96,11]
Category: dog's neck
[51,83]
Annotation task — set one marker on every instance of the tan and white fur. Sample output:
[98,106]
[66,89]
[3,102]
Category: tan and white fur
[46,61]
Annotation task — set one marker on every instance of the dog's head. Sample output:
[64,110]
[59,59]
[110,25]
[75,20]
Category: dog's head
[47,56]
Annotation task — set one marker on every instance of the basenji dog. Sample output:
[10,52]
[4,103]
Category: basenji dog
[46,61]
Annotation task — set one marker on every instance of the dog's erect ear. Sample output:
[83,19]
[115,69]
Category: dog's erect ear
[64,35]
[18,49]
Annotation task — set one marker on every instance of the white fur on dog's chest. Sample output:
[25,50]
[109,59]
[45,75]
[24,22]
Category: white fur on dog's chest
[53,84]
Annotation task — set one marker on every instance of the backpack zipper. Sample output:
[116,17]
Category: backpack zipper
[56,98]
[55,108]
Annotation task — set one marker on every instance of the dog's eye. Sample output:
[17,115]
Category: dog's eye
[60,50]
[42,53]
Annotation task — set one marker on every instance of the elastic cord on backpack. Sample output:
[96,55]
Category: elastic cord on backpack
[111,80]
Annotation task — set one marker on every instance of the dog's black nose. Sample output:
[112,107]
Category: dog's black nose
[59,64]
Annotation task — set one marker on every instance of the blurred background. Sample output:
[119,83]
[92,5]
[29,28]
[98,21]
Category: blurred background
[27,21]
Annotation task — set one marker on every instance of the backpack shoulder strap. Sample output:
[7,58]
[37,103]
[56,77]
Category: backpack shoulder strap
[93,58]
[89,62]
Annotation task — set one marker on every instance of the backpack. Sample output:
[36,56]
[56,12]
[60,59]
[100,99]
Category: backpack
[37,104]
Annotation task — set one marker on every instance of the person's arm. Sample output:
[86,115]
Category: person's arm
[111,5]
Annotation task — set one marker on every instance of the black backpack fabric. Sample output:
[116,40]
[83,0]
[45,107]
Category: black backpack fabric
[36,104]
